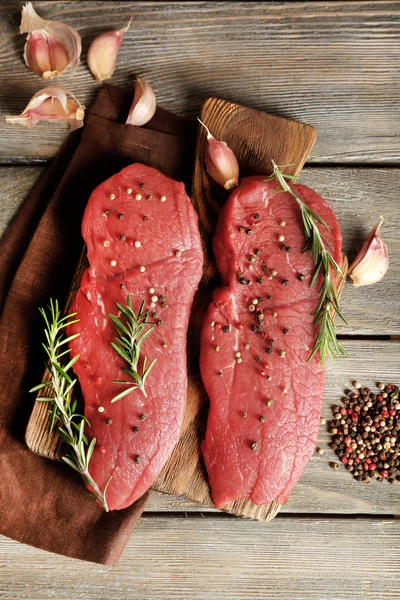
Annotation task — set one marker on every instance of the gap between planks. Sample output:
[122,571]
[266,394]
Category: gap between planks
[198,514]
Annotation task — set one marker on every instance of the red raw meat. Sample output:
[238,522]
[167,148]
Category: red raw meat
[264,408]
[135,435]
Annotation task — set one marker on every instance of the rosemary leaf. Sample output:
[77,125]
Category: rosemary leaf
[124,393]
[121,352]
[71,363]
[37,387]
[70,463]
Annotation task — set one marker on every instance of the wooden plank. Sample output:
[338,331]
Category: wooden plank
[225,558]
[15,185]
[358,195]
[256,138]
[332,64]
[321,489]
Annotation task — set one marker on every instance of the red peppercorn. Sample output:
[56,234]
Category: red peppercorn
[366,466]
[368,461]
[384,413]
[349,449]
[344,460]
[384,474]
[372,467]
[380,398]
[393,412]
[349,411]
[342,411]
[347,440]
[357,460]
[354,417]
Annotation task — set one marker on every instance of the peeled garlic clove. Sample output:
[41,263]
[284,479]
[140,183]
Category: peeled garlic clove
[103,52]
[51,46]
[51,104]
[221,162]
[144,104]
[371,263]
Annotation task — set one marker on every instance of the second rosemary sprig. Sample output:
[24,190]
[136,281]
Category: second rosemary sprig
[326,342]
[131,333]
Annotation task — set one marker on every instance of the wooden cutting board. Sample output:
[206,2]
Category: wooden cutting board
[255,138]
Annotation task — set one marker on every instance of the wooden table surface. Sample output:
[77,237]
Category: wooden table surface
[334,65]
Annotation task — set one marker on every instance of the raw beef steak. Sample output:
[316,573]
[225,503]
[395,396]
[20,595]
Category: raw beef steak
[142,239]
[265,399]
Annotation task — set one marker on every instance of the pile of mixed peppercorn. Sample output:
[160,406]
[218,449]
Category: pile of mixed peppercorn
[366,433]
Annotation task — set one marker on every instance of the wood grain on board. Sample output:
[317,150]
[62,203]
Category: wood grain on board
[178,557]
[333,64]
[256,138]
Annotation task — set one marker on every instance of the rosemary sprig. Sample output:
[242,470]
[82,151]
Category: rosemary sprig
[71,424]
[130,336]
[326,341]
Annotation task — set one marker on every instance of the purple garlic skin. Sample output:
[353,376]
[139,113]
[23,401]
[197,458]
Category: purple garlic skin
[51,104]
[221,162]
[51,46]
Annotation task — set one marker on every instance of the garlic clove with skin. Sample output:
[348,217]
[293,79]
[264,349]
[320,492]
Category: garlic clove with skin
[221,163]
[144,104]
[51,46]
[51,104]
[103,52]
[371,263]
[46,56]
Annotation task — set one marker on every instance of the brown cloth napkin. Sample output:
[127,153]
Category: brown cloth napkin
[43,503]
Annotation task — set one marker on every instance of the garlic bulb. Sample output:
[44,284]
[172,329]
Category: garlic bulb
[221,162]
[51,104]
[143,105]
[371,263]
[103,52]
[51,46]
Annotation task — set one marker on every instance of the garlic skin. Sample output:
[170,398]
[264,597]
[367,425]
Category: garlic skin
[221,163]
[371,263]
[51,46]
[144,104]
[51,104]
[103,52]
